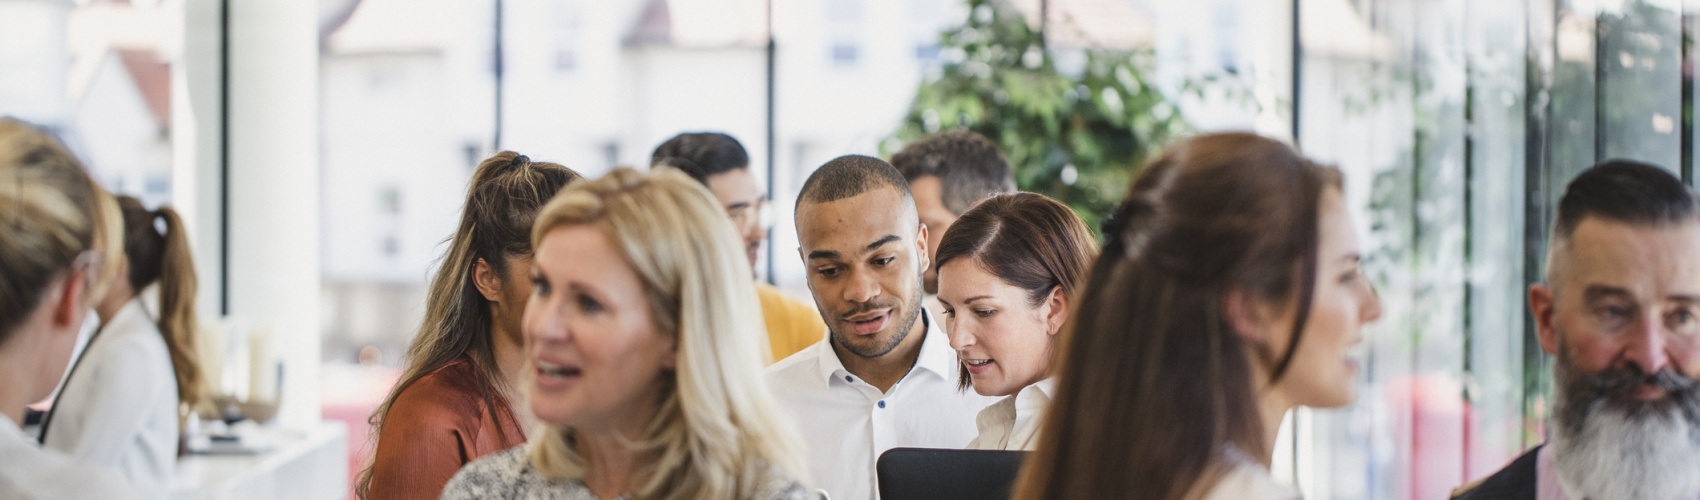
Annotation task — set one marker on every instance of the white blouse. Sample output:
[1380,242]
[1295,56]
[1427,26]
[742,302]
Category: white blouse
[28,472]
[1248,480]
[118,410]
[1012,423]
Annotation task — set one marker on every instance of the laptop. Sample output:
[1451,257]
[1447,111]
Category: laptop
[937,474]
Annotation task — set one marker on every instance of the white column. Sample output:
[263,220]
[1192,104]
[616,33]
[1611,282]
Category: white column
[196,90]
[272,246]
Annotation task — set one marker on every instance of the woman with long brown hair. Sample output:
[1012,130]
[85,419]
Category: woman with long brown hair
[124,402]
[1007,272]
[1227,293]
[457,398]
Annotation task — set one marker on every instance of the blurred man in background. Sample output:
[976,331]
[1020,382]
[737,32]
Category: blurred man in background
[949,172]
[721,163]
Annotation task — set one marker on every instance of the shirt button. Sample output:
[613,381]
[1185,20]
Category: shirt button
[848,379]
[882,403]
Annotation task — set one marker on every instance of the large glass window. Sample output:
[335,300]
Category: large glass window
[1456,125]
[100,76]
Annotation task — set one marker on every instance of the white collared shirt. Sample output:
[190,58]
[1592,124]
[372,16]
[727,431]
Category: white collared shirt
[848,423]
[1013,422]
[28,472]
[119,408]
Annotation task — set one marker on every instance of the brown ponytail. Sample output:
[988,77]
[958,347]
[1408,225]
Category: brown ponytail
[1155,384]
[164,258]
[177,318]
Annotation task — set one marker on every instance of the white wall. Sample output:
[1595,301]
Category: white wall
[36,58]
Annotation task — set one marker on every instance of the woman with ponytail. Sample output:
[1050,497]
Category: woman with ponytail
[51,260]
[123,404]
[457,396]
[1227,294]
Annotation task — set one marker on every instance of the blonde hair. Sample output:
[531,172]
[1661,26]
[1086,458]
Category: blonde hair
[49,213]
[718,430]
[108,240]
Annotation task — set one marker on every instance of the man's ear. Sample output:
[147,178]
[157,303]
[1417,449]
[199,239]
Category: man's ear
[67,310]
[1057,314]
[921,246]
[1244,316]
[1542,304]
[489,284]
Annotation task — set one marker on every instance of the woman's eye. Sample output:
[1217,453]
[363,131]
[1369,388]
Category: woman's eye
[1349,277]
[589,305]
[539,286]
[984,313]
[949,313]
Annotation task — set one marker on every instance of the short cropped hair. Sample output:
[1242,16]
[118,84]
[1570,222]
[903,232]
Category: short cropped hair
[702,154]
[1625,191]
[968,165]
[848,176]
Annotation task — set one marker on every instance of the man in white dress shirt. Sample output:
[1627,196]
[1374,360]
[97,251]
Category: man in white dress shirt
[885,376]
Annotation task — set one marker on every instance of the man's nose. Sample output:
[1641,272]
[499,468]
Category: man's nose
[1646,347]
[862,287]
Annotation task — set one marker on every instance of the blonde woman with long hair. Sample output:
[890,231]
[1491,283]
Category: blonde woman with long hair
[646,374]
[50,268]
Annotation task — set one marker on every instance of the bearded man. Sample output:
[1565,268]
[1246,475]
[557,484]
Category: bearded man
[1620,310]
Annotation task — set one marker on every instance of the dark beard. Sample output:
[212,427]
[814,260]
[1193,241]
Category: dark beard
[1607,444]
[904,325]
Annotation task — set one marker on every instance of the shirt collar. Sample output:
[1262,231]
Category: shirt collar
[1048,387]
[1035,397]
[828,366]
[936,355]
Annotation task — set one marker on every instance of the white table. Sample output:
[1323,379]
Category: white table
[305,464]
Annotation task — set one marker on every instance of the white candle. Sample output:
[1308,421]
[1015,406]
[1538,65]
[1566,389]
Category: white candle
[209,346]
[262,366]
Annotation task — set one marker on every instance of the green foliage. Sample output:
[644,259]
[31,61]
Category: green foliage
[1607,108]
[1078,138]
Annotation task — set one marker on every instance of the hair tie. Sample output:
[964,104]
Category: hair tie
[1126,231]
[519,161]
[1113,225]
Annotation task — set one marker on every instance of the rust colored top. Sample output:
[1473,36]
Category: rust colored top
[435,426]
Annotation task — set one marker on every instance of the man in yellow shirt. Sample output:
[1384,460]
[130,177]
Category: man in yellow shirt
[720,162]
